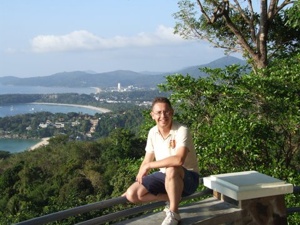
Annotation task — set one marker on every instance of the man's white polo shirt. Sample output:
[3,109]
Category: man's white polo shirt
[179,136]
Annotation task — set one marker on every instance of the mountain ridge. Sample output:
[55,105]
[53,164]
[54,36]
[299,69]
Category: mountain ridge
[110,79]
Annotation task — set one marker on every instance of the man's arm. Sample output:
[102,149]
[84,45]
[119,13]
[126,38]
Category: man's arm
[143,171]
[171,161]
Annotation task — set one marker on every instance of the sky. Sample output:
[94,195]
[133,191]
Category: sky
[44,37]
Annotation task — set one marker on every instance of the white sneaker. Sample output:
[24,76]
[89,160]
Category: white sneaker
[167,207]
[172,218]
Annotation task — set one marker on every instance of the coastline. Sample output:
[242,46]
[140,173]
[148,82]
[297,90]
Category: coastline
[98,90]
[39,142]
[103,110]
[43,142]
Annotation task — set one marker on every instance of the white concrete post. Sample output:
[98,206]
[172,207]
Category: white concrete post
[260,197]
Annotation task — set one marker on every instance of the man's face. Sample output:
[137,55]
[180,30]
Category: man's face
[162,114]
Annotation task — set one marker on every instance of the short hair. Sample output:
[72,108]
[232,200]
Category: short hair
[161,100]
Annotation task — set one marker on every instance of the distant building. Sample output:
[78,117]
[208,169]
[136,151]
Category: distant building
[29,128]
[119,86]
[76,123]
[45,125]
[59,125]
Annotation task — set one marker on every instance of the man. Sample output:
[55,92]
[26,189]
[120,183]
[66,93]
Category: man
[170,149]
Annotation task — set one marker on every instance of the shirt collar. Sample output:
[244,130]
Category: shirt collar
[172,131]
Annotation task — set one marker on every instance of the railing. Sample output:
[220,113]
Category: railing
[120,214]
[292,210]
[102,205]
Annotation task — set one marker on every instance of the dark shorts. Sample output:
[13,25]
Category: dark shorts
[155,182]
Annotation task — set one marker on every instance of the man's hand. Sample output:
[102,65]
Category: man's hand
[145,166]
[143,171]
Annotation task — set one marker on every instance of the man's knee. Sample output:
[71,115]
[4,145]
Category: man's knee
[131,195]
[135,193]
[174,172]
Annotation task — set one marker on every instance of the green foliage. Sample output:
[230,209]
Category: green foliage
[124,177]
[77,188]
[130,119]
[4,154]
[294,16]
[65,174]
[242,121]
[284,34]
[18,98]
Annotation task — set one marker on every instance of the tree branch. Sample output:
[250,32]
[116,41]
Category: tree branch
[262,35]
[218,12]
[273,10]
[241,11]
[252,20]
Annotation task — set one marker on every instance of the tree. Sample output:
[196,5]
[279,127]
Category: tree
[238,27]
[243,121]
[294,15]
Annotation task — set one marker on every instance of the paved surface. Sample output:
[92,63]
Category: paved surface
[199,213]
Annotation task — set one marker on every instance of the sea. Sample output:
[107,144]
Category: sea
[10,89]
[16,109]
[20,145]
[16,145]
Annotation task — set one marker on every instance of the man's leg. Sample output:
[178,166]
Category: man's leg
[174,186]
[137,193]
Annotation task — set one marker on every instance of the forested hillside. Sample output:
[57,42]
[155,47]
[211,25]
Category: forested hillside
[65,174]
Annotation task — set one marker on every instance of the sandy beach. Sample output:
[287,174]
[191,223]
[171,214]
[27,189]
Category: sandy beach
[103,110]
[43,142]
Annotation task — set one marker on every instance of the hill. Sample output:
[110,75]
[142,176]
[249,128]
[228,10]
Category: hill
[219,63]
[110,79]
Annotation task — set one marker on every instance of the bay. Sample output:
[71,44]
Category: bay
[16,145]
[16,109]
[20,145]
[10,89]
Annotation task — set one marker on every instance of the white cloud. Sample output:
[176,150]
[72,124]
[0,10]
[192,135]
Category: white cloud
[83,40]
